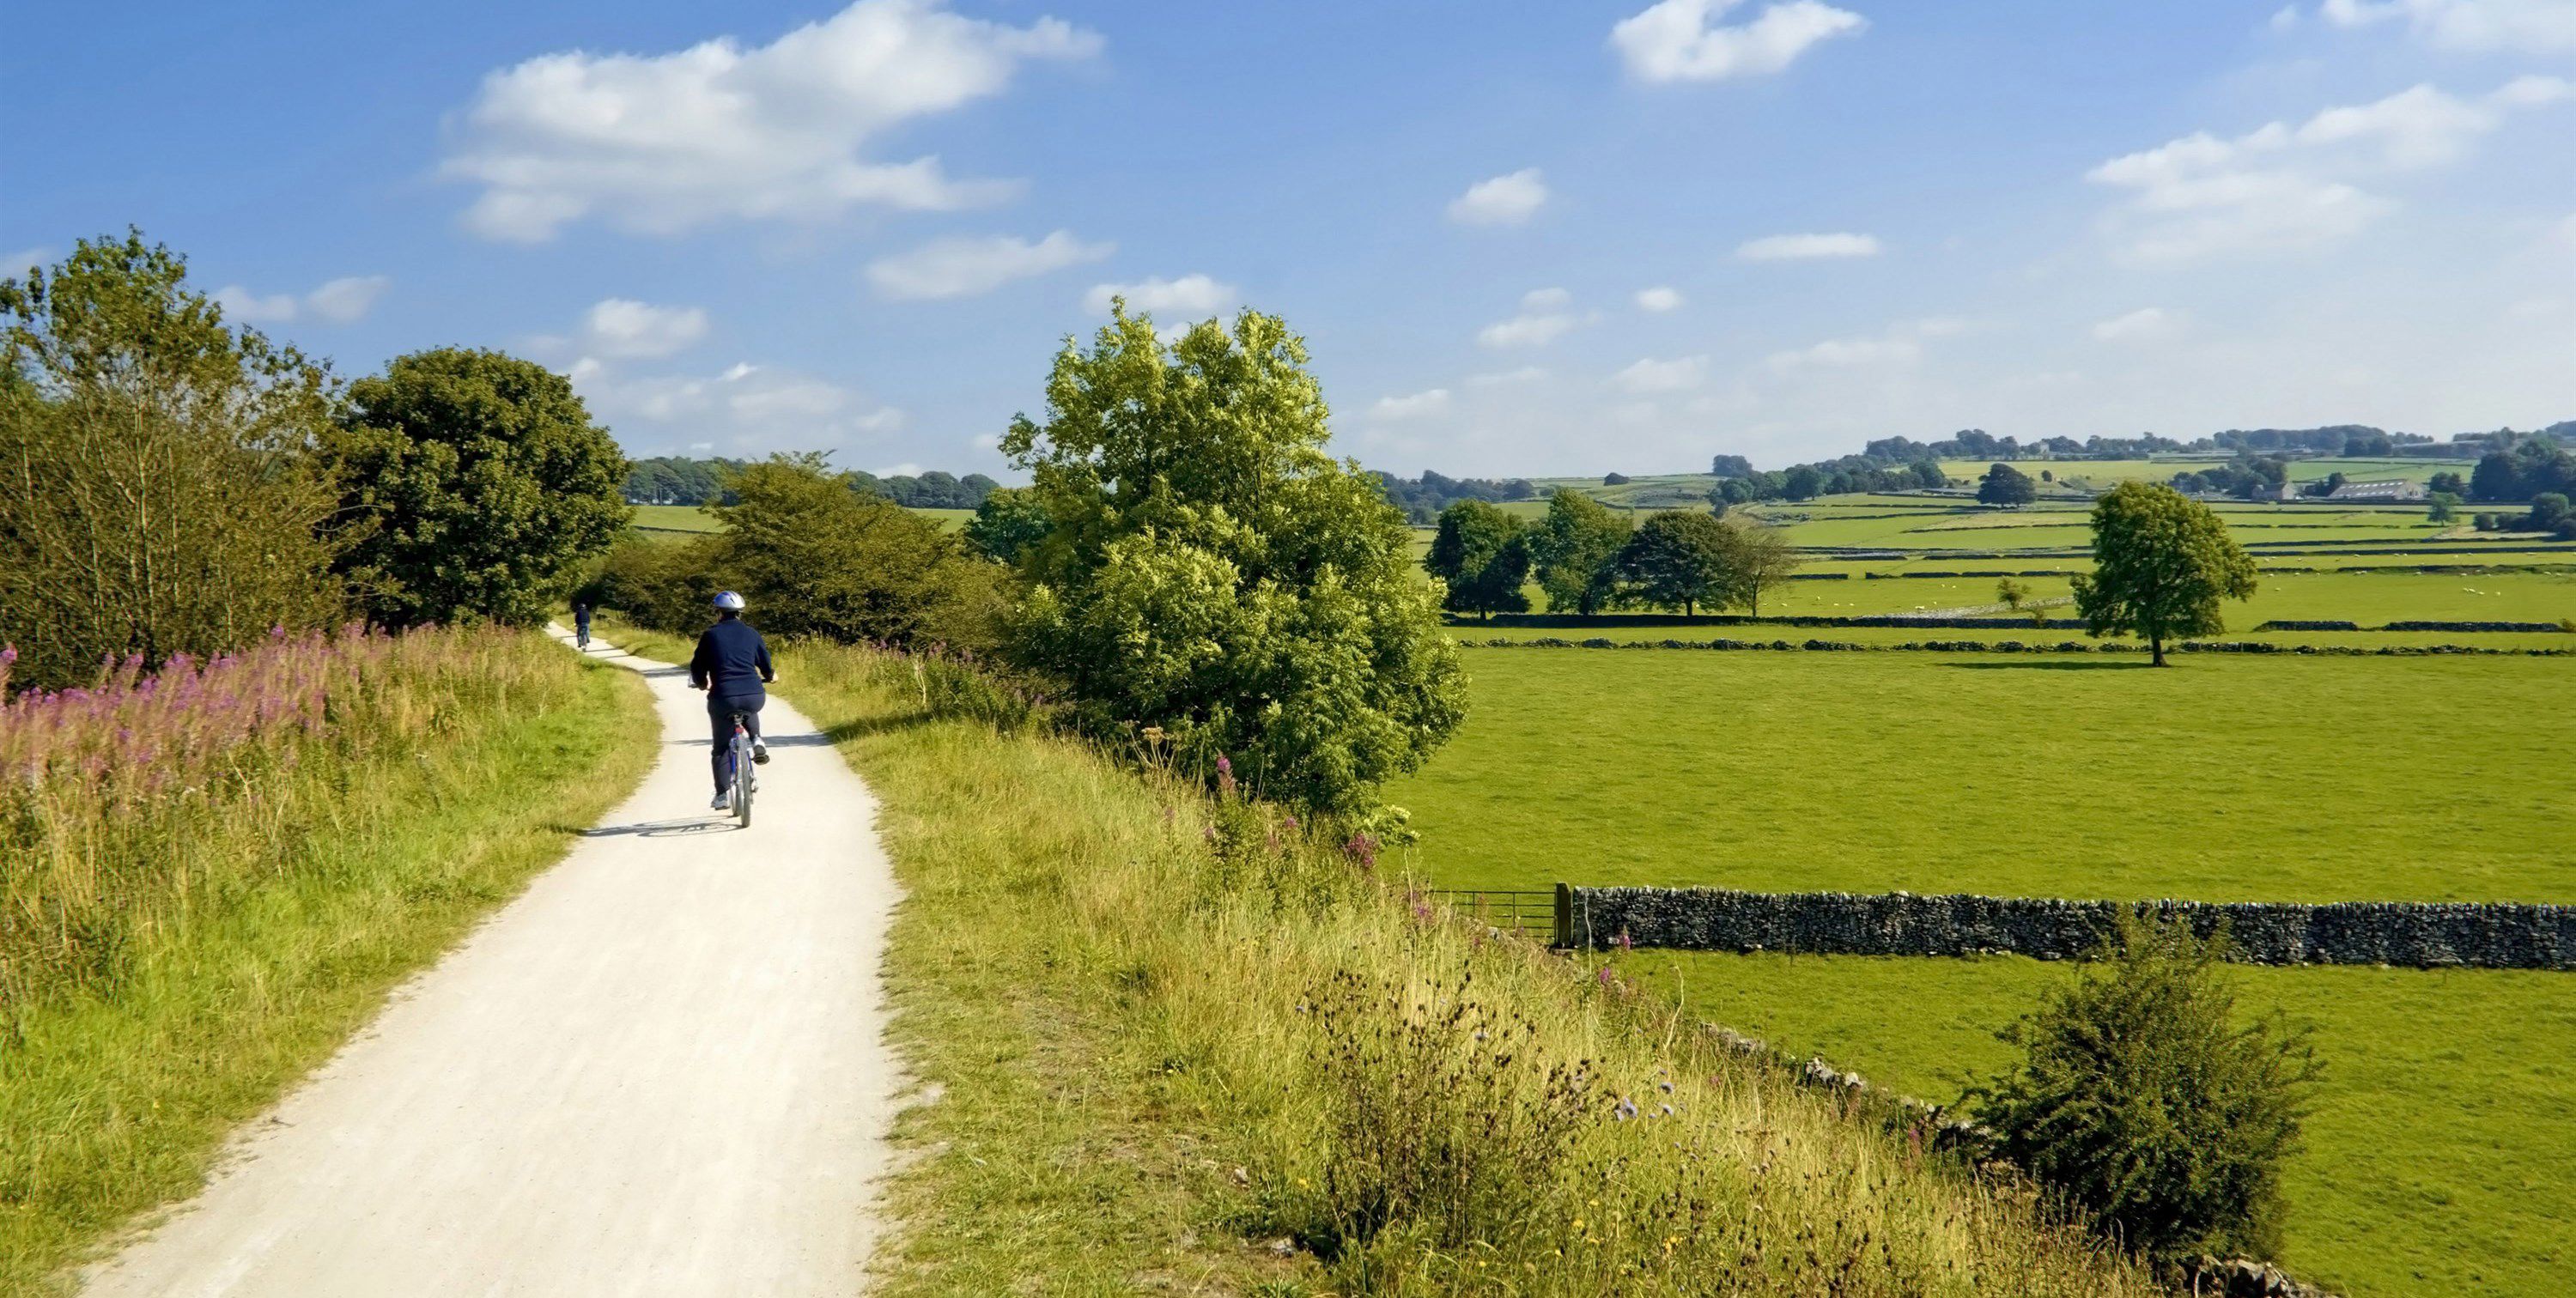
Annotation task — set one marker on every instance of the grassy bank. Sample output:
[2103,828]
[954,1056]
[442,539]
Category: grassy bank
[212,938]
[1162,1031]
[2436,1159]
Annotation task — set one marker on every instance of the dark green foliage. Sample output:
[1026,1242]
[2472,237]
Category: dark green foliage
[1484,557]
[1802,483]
[481,484]
[1928,475]
[1730,466]
[1207,569]
[2143,1104]
[816,558]
[1614,479]
[2549,513]
[659,585]
[1681,559]
[1423,498]
[2532,466]
[2161,563]
[2006,485]
[1575,549]
[2443,507]
[2451,483]
[677,480]
[1010,520]
[158,494]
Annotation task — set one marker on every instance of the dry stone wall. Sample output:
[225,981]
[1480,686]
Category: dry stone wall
[2477,935]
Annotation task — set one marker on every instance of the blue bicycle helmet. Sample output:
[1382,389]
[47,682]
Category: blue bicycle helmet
[728,601]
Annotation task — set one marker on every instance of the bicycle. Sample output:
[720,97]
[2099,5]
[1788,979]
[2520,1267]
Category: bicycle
[740,781]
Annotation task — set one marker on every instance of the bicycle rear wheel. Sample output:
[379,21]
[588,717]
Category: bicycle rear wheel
[741,780]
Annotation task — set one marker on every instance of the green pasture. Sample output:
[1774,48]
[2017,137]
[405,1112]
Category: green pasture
[2220,779]
[2437,1155]
[674,518]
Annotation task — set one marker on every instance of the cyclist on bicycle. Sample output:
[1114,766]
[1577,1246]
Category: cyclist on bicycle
[731,664]
[581,623]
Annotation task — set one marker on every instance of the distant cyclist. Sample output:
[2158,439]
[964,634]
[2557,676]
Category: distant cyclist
[581,623]
[731,665]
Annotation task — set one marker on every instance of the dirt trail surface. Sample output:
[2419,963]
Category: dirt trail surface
[660,1071]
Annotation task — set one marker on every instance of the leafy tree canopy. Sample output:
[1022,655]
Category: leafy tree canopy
[1207,569]
[2006,485]
[482,483]
[1682,559]
[1481,552]
[1575,550]
[2161,564]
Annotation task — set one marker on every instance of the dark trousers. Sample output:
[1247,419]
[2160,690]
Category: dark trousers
[721,710]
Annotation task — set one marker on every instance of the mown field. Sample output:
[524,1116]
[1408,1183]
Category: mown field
[2449,1111]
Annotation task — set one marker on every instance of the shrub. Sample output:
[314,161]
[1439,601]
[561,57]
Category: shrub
[161,498]
[2145,1107]
[817,558]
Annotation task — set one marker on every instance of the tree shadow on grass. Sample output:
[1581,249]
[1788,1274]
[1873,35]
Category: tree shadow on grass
[2053,667]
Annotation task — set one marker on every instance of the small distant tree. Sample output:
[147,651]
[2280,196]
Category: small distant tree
[2011,594]
[1802,483]
[2047,476]
[1009,521]
[2444,508]
[1574,549]
[1614,479]
[1681,559]
[2006,485]
[2549,513]
[2448,483]
[481,485]
[1481,553]
[2145,1105]
[2161,563]
[1928,475]
[1762,559]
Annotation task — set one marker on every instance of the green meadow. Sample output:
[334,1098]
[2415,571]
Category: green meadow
[2435,1159]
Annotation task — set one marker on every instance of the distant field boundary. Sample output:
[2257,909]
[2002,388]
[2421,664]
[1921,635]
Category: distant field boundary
[1927,622]
[2417,935]
[2017,646]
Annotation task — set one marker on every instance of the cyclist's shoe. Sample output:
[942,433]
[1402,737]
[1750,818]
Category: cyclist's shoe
[723,801]
[760,752]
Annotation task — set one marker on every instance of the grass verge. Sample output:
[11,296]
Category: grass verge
[119,1098]
[1177,1043]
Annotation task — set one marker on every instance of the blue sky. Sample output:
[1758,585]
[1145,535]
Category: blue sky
[1524,239]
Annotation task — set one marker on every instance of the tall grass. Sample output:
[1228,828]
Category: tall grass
[1157,1018]
[129,806]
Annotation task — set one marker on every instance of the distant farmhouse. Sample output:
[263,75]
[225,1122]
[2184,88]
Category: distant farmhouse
[2392,489]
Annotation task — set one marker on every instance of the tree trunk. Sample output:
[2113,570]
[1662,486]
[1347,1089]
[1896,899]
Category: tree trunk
[2156,645]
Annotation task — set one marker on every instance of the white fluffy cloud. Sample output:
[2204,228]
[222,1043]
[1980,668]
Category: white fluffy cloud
[1503,200]
[964,267]
[1417,405]
[1902,344]
[1807,247]
[1651,375]
[1658,299]
[749,408]
[2473,26]
[1543,318]
[624,328]
[339,301]
[668,142]
[15,265]
[2282,187]
[2144,325]
[1681,40]
[1190,295]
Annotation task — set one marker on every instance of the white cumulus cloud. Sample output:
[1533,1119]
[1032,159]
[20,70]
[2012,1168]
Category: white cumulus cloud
[1682,40]
[1190,295]
[964,267]
[2284,187]
[2146,324]
[1807,247]
[1503,200]
[16,265]
[748,408]
[2469,26]
[624,328]
[1658,299]
[1543,318]
[1651,375]
[1414,406]
[339,301]
[661,143]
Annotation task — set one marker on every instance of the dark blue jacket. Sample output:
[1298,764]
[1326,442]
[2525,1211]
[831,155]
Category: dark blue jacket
[732,657]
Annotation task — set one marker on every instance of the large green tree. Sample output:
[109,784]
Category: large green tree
[1482,553]
[1682,559]
[1209,570]
[158,493]
[2161,563]
[1575,549]
[482,484]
